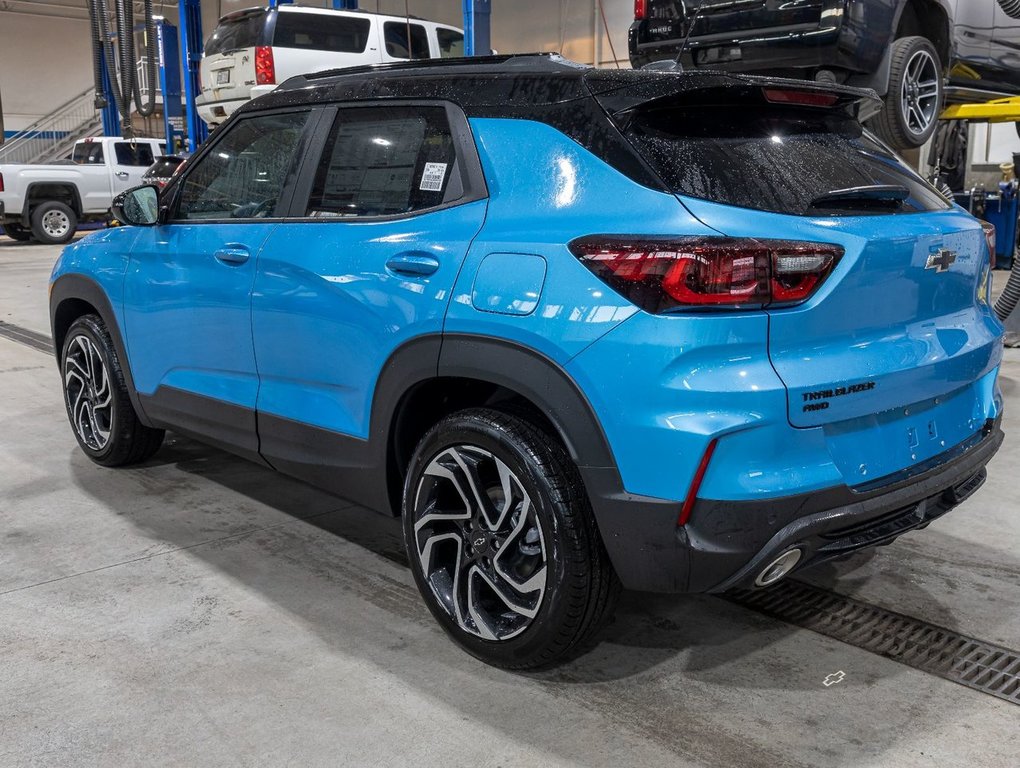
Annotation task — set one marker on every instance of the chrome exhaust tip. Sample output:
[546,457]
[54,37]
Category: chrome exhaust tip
[778,568]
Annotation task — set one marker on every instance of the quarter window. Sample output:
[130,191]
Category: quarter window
[396,33]
[321,32]
[385,161]
[244,173]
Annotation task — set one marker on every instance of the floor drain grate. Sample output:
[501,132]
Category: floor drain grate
[939,651]
[25,336]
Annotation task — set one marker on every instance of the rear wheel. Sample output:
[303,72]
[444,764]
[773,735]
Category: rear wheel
[915,96]
[502,541]
[54,222]
[17,232]
[97,400]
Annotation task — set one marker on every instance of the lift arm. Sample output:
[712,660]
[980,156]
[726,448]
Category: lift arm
[998,111]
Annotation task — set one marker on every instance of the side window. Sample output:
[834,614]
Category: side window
[244,173]
[395,33]
[129,153]
[451,43]
[385,161]
[87,152]
[345,34]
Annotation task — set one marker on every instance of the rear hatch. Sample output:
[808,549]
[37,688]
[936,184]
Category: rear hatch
[228,64]
[665,20]
[898,339]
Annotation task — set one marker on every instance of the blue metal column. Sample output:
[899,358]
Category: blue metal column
[345,5]
[191,44]
[170,83]
[109,114]
[477,27]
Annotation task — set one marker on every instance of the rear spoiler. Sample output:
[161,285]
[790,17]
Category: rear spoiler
[619,93]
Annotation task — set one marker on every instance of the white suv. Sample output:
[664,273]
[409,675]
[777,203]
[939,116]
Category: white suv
[251,51]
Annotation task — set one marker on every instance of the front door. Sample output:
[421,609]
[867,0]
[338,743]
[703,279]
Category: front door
[187,294]
[367,266]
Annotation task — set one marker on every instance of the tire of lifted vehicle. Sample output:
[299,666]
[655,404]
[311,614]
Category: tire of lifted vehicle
[889,124]
[581,586]
[17,232]
[129,440]
[60,210]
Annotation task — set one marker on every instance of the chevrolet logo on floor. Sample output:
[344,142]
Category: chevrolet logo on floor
[940,260]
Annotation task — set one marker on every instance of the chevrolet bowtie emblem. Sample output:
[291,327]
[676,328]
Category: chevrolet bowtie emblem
[940,260]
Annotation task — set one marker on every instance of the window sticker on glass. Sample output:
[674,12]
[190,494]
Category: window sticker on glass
[432,177]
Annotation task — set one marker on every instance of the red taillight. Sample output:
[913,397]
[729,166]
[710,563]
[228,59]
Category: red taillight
[662,275]
[692,492]
[800,98]
[1,182]
[989,238]
[265,68]
[640,10]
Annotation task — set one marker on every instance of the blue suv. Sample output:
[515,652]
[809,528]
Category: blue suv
[683,332]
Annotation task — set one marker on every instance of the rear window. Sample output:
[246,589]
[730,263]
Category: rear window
[164,167]
[320,32]
[778,159]
[87,152]
[238,31]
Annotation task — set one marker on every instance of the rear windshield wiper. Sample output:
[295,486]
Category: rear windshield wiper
[875,195]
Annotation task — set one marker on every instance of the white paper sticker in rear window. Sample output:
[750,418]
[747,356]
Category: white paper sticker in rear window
[432,177]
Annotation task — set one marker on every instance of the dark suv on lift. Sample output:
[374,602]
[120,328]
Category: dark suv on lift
[915,53]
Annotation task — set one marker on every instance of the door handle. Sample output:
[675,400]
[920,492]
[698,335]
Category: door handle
[413,264]
[232,253]
[122,174]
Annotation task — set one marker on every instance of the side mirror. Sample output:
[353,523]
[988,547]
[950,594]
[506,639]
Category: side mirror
[138,206]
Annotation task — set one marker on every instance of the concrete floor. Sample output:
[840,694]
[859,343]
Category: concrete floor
[199,610]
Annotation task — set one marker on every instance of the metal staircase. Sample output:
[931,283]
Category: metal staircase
[52,137]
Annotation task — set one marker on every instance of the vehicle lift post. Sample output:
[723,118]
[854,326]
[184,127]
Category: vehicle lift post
[190,17]
[170,84]
[477,27]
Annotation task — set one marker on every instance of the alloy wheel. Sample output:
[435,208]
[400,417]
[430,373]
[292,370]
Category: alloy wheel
[480,542]
[89,393]
[919,100]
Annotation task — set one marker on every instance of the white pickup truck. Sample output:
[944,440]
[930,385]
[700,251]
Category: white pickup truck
[48,202]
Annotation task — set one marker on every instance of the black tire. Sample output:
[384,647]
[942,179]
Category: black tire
[53,222]
[910,114]
[96,398]
[17,232]
[579,586]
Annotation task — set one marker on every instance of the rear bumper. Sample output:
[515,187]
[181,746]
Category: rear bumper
[728,543]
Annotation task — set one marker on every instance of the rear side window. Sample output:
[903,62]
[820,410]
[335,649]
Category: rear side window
[451,43]
[396,33]
[87,152]
[385,161]
[244,173]
[242,30]
[133,154]
[320,32]
[779,159]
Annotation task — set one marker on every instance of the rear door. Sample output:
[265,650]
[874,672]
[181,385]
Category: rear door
[366,265]
[901,326]
[130,161]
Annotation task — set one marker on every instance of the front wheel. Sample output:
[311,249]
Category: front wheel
[915,96]
[502,541]
[96,396]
